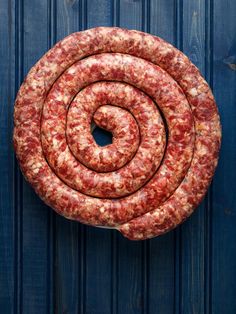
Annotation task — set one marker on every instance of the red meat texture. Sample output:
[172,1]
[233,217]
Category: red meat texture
[163,118]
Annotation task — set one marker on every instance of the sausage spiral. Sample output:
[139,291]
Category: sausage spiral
[160,111]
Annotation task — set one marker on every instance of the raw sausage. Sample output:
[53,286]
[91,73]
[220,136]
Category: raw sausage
[160,111]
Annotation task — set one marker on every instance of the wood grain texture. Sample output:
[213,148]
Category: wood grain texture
[194,231]
[161,260]
[52,265]
[99,268]
[8,217]
[36,250]
[130,14]
[130,275]
[223,270]
[69,270]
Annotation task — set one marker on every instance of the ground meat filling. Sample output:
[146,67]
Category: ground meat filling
[162,115]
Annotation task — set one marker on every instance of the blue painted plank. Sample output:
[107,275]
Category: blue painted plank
[162,19]
[98,255]
[130,278]
[99,13]
[224,189]
[80,250]
[178,42]
[36,244]
[7,193]
[130,14]
[98,271]
[68,17]
[161,264]
[194,232]
[161,274]
[130,292]
[67,265]
[69,245]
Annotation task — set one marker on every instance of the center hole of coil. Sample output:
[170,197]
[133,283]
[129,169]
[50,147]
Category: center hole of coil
[101,136]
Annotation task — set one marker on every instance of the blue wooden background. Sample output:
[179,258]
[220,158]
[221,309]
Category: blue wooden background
[51,265]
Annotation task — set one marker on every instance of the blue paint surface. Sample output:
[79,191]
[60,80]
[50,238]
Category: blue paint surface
[51,265]
[102,137]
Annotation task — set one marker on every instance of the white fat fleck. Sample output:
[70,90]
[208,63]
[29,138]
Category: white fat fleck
[53,67]
[102,210]
[63,156]
[37,84]
[77,128]
[36,170]
[54,142]
[59,97]
[136,36]
[66,155]
[65,99]
[156,214]
[125,227]
[38,164]
[203,151]
[193,92]
[139,235]
[36,167]
[105,153]
[83,143]
[96,152]
[71,70]
[31,162]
